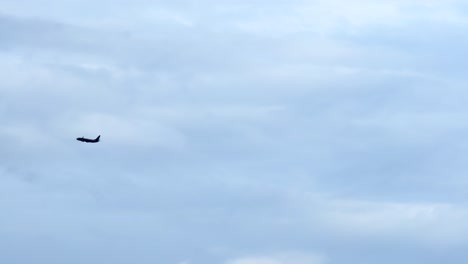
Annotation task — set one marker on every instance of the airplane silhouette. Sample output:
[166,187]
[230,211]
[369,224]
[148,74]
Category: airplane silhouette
[87,140]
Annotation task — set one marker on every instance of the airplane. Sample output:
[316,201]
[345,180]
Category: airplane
[87,140]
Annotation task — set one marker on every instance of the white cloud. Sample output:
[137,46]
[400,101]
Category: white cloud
[427,224]
[330,17]
[212,113]
[282,258]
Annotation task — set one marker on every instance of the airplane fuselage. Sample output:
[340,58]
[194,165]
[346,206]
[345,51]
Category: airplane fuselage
[88,140]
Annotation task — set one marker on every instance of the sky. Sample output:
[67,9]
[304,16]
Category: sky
[234,132]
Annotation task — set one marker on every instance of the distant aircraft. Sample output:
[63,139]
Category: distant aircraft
[87,140]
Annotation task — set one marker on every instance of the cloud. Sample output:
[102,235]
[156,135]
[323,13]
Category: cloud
[433,225]
[285,258]
[247,132]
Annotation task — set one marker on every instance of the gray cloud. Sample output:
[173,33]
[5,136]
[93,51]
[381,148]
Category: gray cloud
[256,132]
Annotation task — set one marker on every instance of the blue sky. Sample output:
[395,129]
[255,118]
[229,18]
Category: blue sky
[233,132]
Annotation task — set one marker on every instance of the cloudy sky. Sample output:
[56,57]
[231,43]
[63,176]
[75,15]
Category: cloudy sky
[234,132]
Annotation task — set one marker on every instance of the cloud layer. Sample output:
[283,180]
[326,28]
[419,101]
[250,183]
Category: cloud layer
[242,132]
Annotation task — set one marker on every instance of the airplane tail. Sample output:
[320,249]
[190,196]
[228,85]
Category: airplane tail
[97,139]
